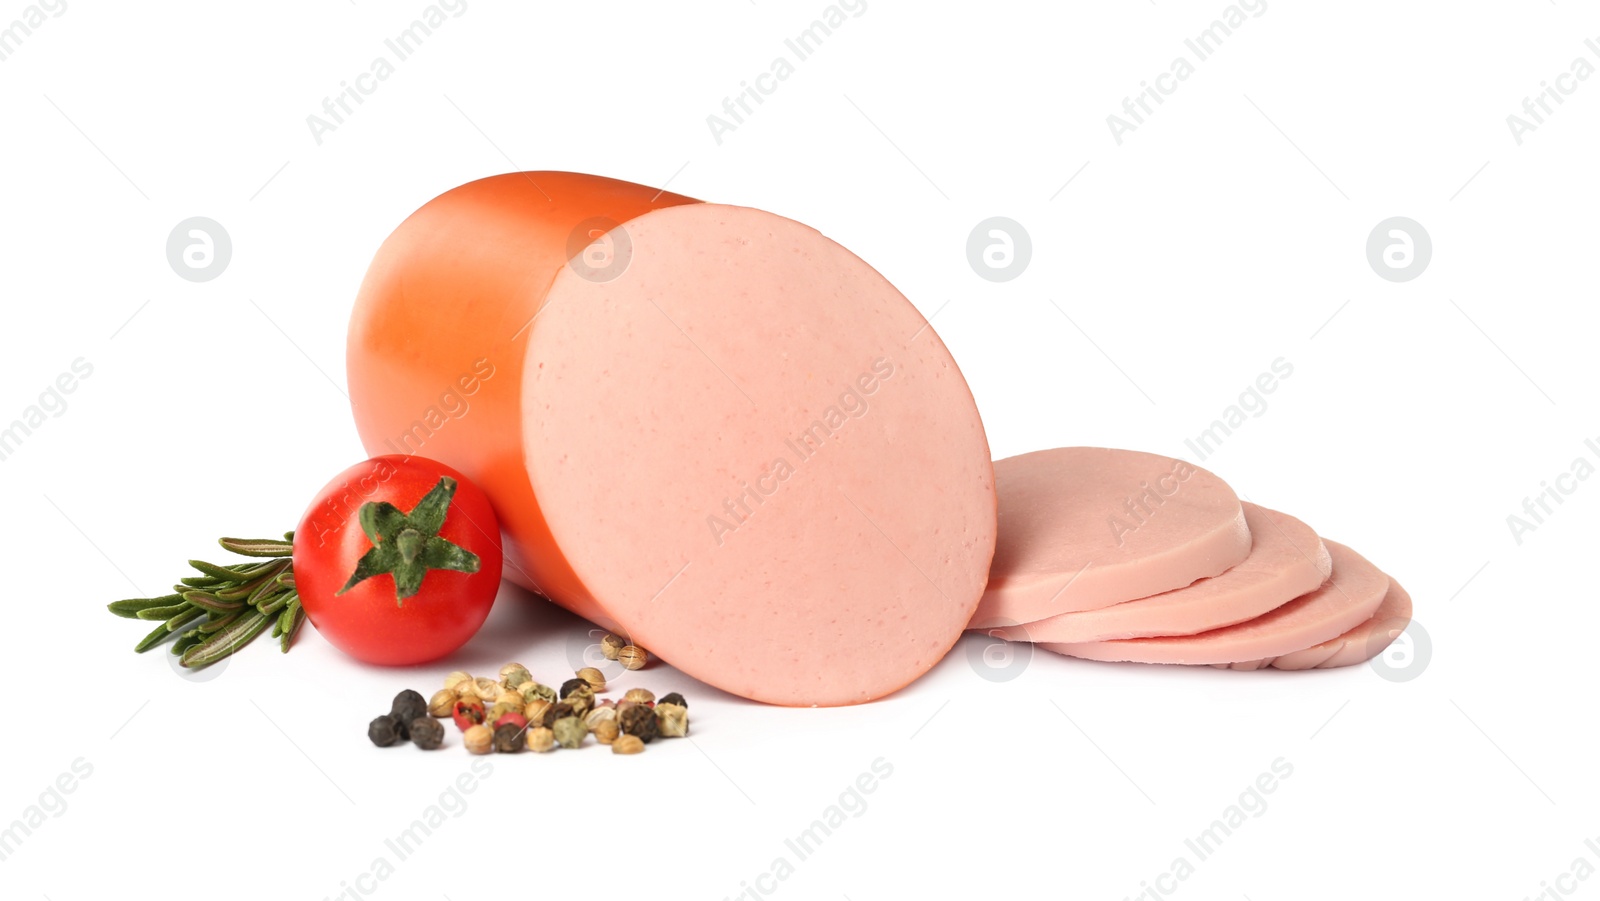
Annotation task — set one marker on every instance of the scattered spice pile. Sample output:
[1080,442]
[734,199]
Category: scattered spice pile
[515,712]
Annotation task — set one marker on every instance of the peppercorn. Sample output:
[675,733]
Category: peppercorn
[577,694]
[633,657]
[569,731]
[510,697]
[467,689]
[427,733]
[407,706]
[541,739]
[514,718]
[454,680]
[606,732]
[514,674]
[531,690]
[672,720]
[640,696]
[508,739]
[673,697]
[499,710]
[478,739]
[382,731]
[595,678]
[610,645]
[555,712]
[467,712]
[442,702]
[639,721]
[627,744]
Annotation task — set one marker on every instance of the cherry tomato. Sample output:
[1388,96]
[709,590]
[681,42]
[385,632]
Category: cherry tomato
[397,561]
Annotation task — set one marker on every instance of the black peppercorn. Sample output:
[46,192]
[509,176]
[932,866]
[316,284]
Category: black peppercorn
[407,706]
[638,721]
[427,733]
[674,698]
[572,685]
[382,731]
[555,712]
[508,739]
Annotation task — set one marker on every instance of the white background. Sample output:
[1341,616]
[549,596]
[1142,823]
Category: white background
[1167,272]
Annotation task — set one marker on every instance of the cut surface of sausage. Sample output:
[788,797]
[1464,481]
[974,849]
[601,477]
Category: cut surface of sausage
[1350,597]
[709,429]
[1286,560]
[758,459]
[1360,644]
[1083,528]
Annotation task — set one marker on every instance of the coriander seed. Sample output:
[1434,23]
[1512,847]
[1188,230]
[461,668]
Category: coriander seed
[427,733]
[454,680]
[382,731]
[598,716]
[534,711]
[442,702]
[514,674]
[606,732]
[595,678]
[487,689]
[541,739]
[633,657]
[479,739]
[510,697]
[640,696]
[627,744]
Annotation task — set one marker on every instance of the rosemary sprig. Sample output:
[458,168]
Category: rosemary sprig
[216,613]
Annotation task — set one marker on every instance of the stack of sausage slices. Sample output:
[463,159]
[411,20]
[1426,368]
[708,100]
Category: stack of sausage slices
[1119,555]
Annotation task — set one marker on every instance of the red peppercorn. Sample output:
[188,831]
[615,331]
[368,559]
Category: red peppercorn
[512,719]
[467,712]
